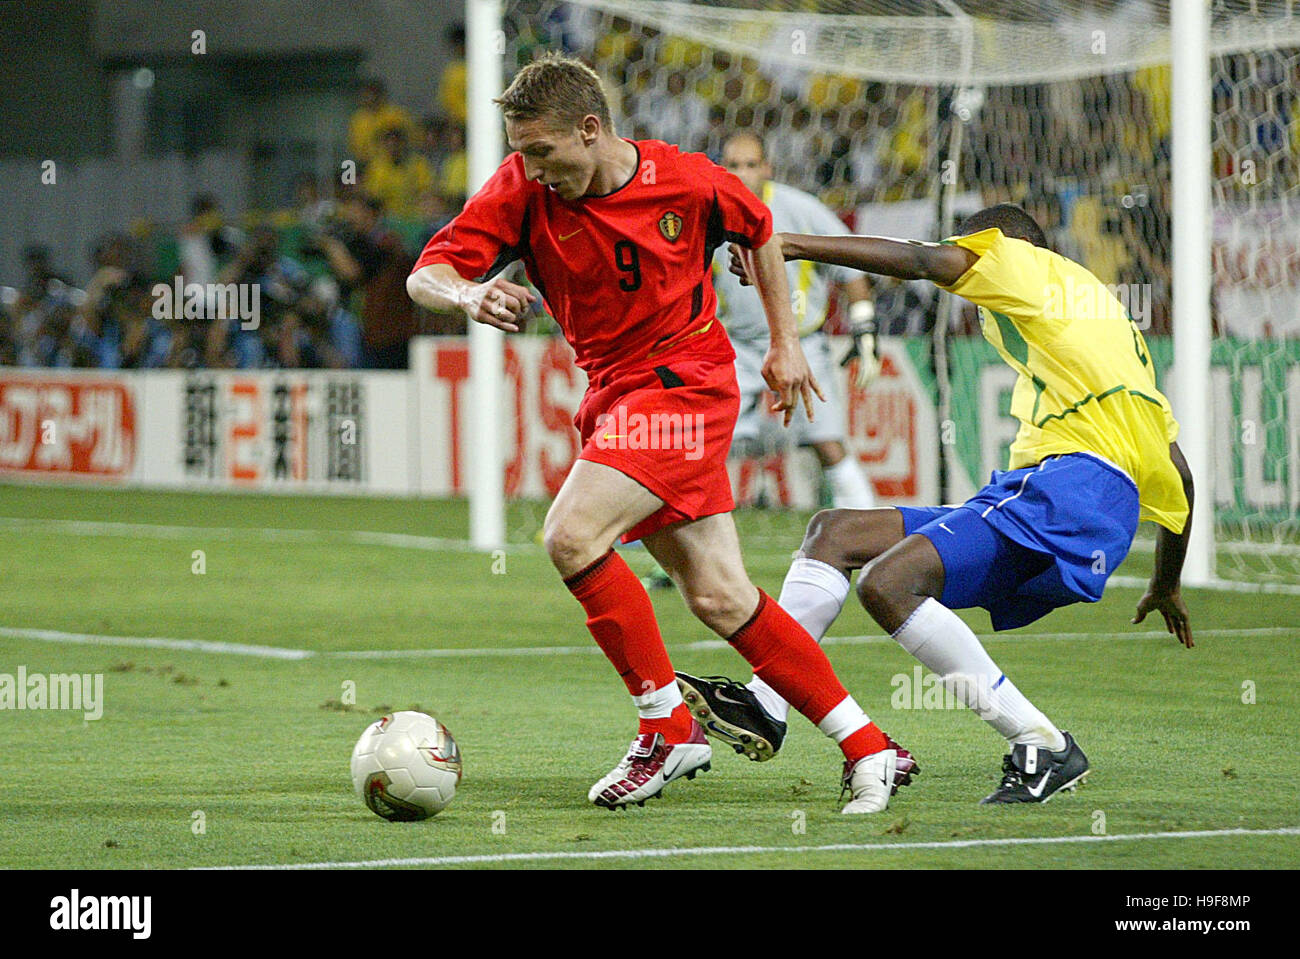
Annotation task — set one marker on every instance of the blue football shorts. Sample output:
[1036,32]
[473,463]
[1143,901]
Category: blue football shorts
[1033,539]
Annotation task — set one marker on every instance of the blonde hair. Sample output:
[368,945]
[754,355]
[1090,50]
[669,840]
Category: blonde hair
[558,87]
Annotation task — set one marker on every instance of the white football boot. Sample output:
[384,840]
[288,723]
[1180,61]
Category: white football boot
[874,779]
[651,764]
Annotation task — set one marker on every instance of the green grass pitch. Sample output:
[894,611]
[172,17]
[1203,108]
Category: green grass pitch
[205,758]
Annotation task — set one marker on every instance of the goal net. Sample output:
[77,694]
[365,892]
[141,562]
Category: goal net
[906,115]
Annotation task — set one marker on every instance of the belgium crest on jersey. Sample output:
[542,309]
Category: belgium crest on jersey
[670,225]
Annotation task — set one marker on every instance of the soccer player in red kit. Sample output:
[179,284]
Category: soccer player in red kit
[618,237]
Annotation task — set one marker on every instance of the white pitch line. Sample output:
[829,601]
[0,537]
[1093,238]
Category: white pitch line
[432,543]
[1222,585]
[497,652]
[752,850]
[490,651]
[157,642]
[360,537]
[472,652]
[1227,631]
[706,645]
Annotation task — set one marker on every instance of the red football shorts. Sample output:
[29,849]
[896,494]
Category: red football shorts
[669,428]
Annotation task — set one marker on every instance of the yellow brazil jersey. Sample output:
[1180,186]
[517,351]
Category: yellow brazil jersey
[367,127]
[452,90]
[399,185]
[1086,384]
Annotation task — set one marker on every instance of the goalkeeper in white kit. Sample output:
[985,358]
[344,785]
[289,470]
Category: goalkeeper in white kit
[811,286]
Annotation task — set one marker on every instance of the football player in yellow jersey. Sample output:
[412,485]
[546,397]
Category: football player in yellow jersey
[1094,455]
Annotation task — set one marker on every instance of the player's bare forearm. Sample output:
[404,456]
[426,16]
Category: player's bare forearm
[857,289]
[864,356]
[767,270]
[438,287]
[785,368]
[498,302]
[1171,548]
[906,259]
[1164,591]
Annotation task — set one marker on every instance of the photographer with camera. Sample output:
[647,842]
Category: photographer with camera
[317,333]
[44,311]
[369,261]
[115,321]
[278,282]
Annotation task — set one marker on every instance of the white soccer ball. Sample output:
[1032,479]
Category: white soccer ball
[406,767]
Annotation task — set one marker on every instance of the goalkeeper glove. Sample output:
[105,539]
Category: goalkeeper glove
[862,325]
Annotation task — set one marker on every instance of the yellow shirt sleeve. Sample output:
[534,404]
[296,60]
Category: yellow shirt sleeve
[1009,277]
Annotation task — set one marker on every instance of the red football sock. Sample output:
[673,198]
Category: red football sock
[622,621]
[788,659]
[867,740]
[676,727]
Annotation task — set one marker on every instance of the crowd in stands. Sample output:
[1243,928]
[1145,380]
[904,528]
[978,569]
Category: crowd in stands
[329,268]
[1089,157]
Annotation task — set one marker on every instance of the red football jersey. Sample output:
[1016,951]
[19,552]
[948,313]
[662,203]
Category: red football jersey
[628,274]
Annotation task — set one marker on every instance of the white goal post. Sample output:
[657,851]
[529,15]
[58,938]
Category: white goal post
[484,50]
[1190,166]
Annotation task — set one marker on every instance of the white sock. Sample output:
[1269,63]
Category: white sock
[844,720]
[660,703]
[849,486]
[945,645]
[813,594]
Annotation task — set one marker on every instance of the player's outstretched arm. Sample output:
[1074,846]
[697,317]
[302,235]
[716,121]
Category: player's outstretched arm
[941,263]
[1164,592]
[498,302]
[785,368]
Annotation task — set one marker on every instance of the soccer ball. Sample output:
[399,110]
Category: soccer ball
[406,767]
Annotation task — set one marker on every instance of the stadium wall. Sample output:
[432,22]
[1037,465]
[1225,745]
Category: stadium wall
[400,40]
[271,431]
[98,195]
[396,433]
[407,434]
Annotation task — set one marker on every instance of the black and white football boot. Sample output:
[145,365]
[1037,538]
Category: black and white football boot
[731,714]
[1034,774]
